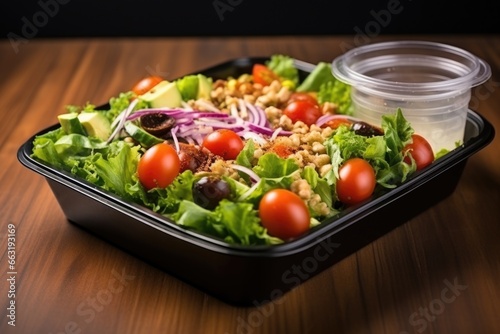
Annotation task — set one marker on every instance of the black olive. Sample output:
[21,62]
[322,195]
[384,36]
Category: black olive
[209,191]
[365,129]
[157,124]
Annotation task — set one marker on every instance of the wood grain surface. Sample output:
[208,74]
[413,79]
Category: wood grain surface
[437,273]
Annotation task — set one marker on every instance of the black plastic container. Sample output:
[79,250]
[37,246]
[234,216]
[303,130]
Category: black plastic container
[245,275]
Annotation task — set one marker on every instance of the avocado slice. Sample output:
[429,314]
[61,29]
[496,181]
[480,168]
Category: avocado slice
[95,124]
[188,87]
[164,94]
[70,123]
[204,87]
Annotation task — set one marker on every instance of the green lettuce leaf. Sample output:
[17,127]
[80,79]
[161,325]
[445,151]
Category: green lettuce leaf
[170,198]
[319,186]
[270,165]
[397,133]
[245,158]
[320,75]
[275,172]
[383,152]
[118,171]
[338,93]
[119,103]
[284,67]
[236,223]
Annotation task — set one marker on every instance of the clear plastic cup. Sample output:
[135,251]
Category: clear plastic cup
[430,82]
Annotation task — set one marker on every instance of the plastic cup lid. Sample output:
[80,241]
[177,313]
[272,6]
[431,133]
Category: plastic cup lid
[356,67]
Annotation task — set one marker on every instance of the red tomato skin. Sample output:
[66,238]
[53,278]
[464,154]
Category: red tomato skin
[335,123]
[304,111]
[284,214]
[144,85]
[158,166]
[263,75]
[224,143]
[302,96]
[420,150]
[357,181]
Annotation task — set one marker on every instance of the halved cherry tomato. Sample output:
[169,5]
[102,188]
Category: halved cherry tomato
[304,111]
[302,96]
[284,214]
[356,181]
[336,122]
[263,75]
[144,85]
[225,143]
[420,150]
[158,166]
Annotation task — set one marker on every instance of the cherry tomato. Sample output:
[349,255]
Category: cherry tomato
[263,75]
[336,122]
[304,111]
[144,85]
[356,181]
[302,96]
[420,150]
[284,214]
[225,143]
[158,166]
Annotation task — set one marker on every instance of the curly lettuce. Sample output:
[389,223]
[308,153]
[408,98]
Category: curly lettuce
[284,67]
[383,152]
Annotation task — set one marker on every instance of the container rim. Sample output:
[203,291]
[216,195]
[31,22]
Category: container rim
[432,53]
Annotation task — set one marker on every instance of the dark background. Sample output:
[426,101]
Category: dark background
[79,18]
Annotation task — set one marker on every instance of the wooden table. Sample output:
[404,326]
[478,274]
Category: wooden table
[437,273]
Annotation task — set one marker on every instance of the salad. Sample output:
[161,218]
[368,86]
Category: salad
[260,158]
